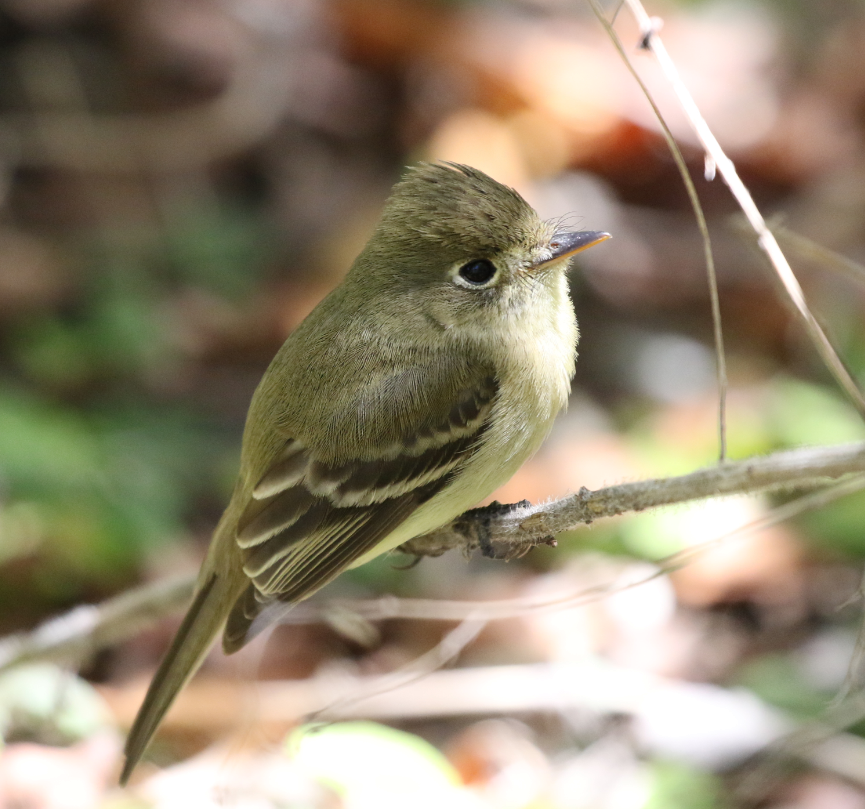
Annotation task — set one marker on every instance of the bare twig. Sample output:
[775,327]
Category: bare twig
[502,531]
[449,610]
[511,531]
[725,167]
[852,684]
[444,652]
[821,255]
[74,637]
[821,743]
[702,225]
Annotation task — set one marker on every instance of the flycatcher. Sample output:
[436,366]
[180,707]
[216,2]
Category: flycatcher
[411,392]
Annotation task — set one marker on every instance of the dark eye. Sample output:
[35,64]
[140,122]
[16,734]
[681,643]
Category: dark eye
[478,272]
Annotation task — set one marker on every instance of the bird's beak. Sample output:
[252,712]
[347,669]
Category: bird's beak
[565,245]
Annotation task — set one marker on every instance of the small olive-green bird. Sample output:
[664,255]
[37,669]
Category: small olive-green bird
[413,390]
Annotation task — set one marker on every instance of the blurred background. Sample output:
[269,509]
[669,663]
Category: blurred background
[182,180]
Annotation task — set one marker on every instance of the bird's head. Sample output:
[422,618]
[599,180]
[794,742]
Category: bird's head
[458,242]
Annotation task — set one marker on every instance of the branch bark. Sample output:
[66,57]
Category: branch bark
[74,637]
[498,531]
[504,532]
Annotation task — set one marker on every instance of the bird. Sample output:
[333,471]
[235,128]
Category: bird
[417,387]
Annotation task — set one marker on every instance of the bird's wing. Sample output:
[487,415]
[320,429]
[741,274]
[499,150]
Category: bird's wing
[309,520]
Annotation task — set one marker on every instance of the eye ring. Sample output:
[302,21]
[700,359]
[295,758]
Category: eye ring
[478,272]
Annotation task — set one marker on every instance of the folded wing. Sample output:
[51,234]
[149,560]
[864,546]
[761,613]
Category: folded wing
[308,520]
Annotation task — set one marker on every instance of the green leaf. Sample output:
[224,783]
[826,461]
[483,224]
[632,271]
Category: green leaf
[43,703]
[374,765]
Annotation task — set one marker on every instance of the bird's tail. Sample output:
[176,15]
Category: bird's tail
[186,653]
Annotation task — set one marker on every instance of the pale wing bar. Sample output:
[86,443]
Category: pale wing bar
[291,487]
[309,520]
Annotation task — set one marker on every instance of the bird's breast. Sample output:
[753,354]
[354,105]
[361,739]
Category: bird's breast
[534,357]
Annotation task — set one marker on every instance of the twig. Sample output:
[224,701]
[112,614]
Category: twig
[652,41]
[449,610]
[503,531]
[74,637]
[821,743]
[818,253]
[702,225]
[445,651]
[514,530]
[852,684]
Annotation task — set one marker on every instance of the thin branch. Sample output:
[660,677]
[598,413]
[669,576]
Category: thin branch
[652,41]
[708,255]
[503,531]
[449,610]
[506,532]
[822,743]
[852,685]
[818,253]
[74,637]
[443,653]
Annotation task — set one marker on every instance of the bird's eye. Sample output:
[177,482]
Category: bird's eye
[478,272]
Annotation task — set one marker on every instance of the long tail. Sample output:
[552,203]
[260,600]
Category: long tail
[188,649]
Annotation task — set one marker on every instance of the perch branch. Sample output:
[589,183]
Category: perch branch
[499,531]
[509,531]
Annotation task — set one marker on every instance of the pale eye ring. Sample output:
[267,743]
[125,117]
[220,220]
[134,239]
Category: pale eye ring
[478,272]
